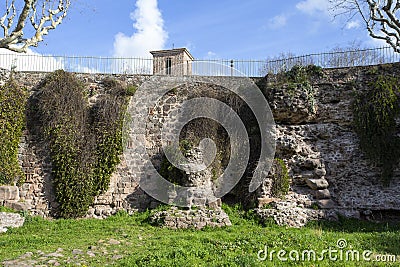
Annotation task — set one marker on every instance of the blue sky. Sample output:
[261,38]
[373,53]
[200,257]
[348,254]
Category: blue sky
[228,29]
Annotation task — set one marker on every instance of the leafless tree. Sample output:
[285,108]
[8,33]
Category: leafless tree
[284,62]
[354,54]
[24,23]
[381,17]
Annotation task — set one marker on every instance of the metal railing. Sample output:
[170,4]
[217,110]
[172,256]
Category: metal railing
[47,63]
[249,68]
[335,59]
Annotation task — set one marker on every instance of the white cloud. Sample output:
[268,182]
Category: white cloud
[312,7]
[354,24]
[211,55]
[149,35]
[277,22]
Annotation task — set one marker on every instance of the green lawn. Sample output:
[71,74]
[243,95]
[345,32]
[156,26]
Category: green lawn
[124,240]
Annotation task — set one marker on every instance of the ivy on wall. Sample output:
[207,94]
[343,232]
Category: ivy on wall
[85,143]
[63,113]
[281,179]
[12,122]
[375,111]
[107,124]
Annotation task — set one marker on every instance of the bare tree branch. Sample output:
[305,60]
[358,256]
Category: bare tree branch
[41,16]
[381,17]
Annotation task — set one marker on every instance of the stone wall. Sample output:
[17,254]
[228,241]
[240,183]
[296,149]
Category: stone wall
[36,195]
[327,167]
[321,150]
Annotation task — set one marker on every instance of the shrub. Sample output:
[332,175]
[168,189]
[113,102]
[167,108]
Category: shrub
[64,115]
[302,74]
[85,144]
[107,120]
[131,90]
[12,121]
[375,112]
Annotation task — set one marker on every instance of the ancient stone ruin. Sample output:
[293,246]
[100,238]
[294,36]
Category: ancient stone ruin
[329,173]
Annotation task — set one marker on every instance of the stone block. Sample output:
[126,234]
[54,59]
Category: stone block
[8,219]
[41,206]
[90,212]
[320,172]
[216,204]
[9,193]
[127,190]
[311,163]
[307,175]
[322,194]
[16,205]
[266,200]
[199,202]
[326,204]
[317,184]
[103,199]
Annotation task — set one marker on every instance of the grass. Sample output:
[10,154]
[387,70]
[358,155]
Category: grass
[141,244]
[6,209]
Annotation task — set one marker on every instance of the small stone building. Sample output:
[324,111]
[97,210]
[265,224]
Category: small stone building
[175,62]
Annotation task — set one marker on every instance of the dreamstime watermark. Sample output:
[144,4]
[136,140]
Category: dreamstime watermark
[142,123]
[340,252]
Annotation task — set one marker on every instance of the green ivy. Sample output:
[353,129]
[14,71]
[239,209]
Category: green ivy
[302,74]
[12,122]
[375,112]
[85,143]
[108,118]
[281,179]
[64,115]
[300,77]
[169,171]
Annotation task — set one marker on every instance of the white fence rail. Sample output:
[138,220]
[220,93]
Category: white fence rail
[338,59]
[250,68]
[43,63]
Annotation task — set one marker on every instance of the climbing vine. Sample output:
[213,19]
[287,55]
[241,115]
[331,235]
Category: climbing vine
[85,143]
[108,118]
[12,121]
[64,115]
[281,179]
[375,112]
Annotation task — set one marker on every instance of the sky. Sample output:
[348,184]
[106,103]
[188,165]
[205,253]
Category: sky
[210,29]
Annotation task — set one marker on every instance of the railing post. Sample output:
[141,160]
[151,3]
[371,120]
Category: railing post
[232,67]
